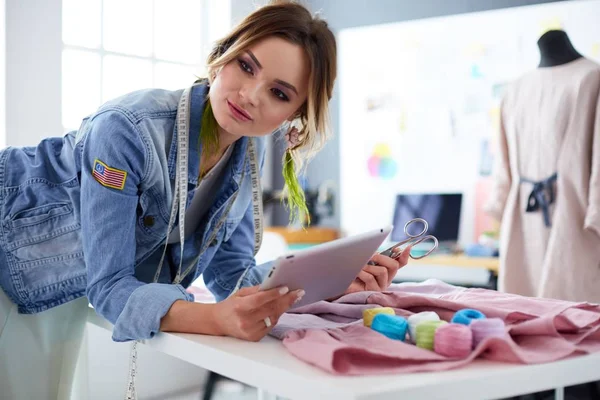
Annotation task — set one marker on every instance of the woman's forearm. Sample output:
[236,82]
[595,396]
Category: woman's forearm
[189,317]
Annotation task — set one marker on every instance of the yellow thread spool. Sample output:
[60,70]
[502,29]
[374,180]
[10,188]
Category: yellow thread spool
[370,313]
[426,333]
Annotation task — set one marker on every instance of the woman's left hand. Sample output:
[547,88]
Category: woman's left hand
[378,277]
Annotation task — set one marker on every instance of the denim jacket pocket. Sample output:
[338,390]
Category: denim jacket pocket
[43,232]
[39,214]
[45,243]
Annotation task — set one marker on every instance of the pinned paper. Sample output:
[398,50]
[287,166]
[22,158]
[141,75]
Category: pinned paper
[382,150]
[475,49]
[550,24]
[476,71]
[402,121]
[494,114]
[410,41]
[381,163]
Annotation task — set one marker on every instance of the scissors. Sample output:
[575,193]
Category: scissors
[394,252]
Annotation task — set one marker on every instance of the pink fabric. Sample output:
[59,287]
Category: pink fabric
[201,294]
[331,335]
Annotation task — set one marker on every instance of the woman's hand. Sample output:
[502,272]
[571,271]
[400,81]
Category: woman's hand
[243,315]
[379,277]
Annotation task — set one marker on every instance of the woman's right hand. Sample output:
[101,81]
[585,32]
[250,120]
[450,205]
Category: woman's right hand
[243,314]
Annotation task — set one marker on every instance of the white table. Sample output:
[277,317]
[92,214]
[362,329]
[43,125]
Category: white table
[268,366]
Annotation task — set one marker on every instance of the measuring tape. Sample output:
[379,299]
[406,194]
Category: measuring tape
[179,205]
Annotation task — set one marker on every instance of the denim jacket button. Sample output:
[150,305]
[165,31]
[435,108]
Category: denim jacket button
[149,221]
[214,242]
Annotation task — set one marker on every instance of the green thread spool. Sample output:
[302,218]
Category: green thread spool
[426,333]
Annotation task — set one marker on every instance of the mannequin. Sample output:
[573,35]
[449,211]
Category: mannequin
[547,178]
[556,49]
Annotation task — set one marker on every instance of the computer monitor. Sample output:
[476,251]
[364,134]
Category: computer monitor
[440,210]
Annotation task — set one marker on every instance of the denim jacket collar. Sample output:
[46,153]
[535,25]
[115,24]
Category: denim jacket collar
[198,97]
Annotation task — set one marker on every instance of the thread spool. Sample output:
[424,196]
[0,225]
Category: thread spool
[416,319]
[453,340]
[370,313]
[392,326]
[466,316]
[485,328]
[425,333]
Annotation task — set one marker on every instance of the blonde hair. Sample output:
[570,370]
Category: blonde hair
[294,23]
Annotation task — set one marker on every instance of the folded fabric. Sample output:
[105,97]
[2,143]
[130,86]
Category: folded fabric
[332,337]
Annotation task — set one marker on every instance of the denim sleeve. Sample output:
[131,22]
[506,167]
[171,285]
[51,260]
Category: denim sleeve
[109,199]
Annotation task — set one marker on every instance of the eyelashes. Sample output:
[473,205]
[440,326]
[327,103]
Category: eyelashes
[247,68]
[279,94]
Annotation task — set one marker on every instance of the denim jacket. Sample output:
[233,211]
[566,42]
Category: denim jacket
[67,231]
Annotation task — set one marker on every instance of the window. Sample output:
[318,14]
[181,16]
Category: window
[3,137]
[112,47]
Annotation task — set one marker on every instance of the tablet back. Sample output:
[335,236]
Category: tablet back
[326,270]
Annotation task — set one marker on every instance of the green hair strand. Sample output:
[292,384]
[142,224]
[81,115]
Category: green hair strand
[296,201]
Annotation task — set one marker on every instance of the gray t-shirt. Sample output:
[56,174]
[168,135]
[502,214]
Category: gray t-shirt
[203,198]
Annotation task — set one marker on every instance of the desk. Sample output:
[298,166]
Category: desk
[299,238]
[311,235]
[460,260]
[451,266]
[269,367]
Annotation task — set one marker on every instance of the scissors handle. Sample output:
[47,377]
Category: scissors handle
[413,239]
[390,252]
[415,220]
[422,239]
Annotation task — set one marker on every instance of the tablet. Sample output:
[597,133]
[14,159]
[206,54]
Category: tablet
[326,270]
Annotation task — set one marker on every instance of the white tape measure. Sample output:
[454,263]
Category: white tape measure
[179,205]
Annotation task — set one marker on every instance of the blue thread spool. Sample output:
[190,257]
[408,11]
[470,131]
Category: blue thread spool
[392,326]
[466,316]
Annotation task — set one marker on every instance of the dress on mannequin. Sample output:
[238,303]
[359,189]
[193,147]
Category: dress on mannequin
[547,177]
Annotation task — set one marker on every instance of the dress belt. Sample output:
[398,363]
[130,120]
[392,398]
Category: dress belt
[541,196]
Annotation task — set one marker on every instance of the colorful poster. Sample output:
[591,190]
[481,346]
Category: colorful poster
[419,103]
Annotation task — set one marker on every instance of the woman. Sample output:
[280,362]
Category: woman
[90,214]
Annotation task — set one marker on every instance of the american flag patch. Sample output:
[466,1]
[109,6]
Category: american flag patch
[109,177]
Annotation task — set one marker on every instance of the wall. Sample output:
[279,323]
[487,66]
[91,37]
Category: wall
[241,8]
[342,14]
[33,70]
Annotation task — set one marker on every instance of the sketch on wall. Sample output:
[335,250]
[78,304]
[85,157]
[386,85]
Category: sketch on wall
[420,101]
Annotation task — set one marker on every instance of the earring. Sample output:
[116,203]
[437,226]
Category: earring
[293,137]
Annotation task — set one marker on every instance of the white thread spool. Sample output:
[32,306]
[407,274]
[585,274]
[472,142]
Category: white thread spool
[416,319]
